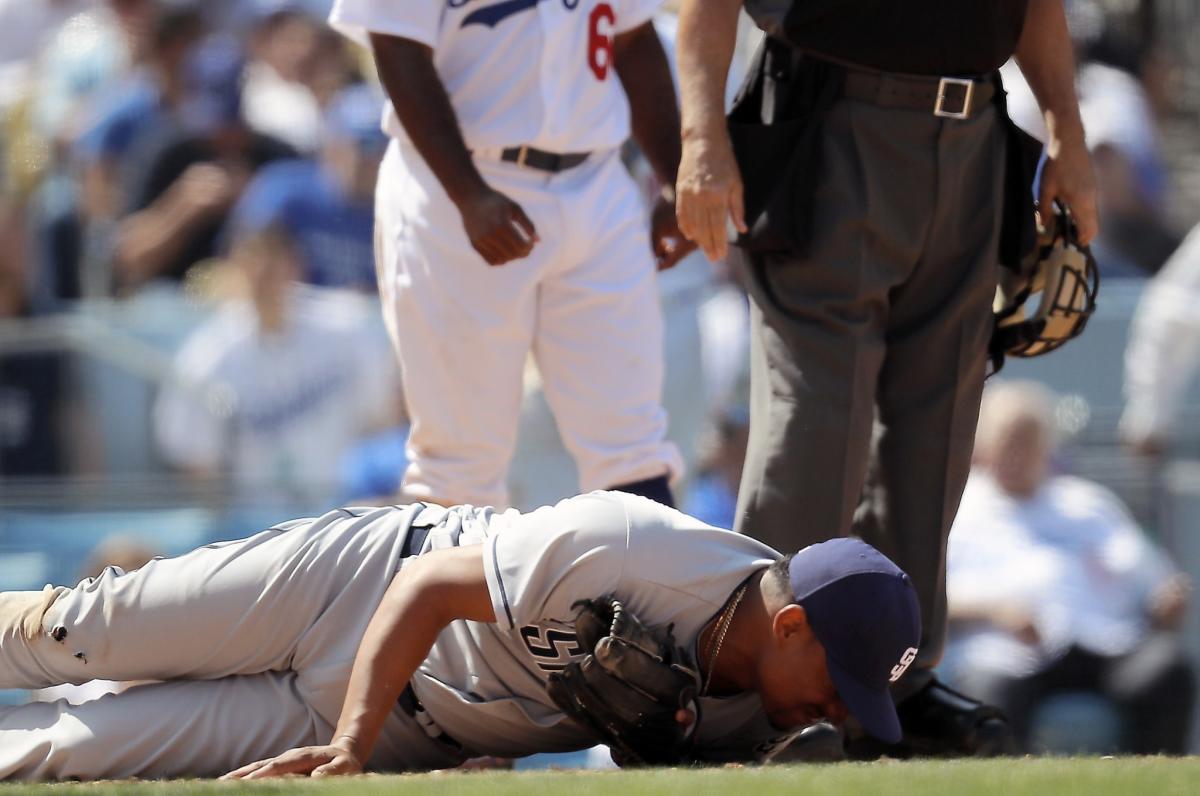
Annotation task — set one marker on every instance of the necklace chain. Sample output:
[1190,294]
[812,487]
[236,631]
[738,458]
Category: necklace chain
[719,635]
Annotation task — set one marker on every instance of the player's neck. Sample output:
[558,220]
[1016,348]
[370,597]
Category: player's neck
[734,670]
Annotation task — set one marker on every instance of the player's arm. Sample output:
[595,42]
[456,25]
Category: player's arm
[709,186]
[497,226]
[429,593]
[1045,56]
[641,65]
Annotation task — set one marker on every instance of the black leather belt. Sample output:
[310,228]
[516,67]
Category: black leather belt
[413,708]
[948,97]
[417,534]
[553,162]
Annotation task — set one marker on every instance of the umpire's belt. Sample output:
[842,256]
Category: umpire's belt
[539,159]
[948,97]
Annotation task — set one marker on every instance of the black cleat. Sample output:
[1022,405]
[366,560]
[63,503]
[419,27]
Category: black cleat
[940,722]
[817,743]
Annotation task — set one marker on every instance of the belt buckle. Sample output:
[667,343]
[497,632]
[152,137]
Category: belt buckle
[939,107]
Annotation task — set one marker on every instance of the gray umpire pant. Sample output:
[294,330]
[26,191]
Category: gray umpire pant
[887,320]
[255,639]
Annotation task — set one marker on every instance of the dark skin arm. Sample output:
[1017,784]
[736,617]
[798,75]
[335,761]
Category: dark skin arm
[424,597]
[496,225]
[642,67]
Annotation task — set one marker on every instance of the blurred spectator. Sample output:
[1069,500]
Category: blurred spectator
[712,496]
[327,205]
[124,554]
[1052,587]
[34,399]
[76,208]
[1163,351]
[25,29]
[87,54]
[142,105]
[275,388]
[278,101]
[194,177]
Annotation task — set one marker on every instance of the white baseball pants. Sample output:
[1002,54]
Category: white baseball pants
[254,639]
[584,303]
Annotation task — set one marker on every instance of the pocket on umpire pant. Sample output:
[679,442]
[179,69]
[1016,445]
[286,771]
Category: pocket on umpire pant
[775,128]
[775,163]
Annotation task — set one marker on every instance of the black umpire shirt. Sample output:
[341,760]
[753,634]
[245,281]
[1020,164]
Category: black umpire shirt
[926,37]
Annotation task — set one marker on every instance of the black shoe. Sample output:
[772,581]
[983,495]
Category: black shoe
[940,722]
[816,743]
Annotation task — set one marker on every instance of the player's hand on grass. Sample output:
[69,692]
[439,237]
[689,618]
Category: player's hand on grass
[670,245]
[312,761]
[708,189]
[497,226]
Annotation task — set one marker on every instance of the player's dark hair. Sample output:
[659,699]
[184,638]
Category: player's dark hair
[778,575]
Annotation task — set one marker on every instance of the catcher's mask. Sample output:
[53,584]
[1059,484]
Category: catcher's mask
[1049,302]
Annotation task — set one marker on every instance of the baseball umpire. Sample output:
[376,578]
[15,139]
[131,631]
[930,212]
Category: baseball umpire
[876,184]
[506,225]
[415,637]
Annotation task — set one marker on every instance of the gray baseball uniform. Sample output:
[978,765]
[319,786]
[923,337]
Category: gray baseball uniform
[255,640]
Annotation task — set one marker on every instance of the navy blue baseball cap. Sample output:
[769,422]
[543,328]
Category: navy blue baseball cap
[864,611]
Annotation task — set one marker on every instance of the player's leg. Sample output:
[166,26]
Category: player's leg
[230,608]
[461,328]
[195,728]
[599,336]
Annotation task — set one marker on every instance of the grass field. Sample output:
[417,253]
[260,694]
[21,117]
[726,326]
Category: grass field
[1040,777]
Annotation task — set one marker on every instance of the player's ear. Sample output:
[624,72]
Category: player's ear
[789,623]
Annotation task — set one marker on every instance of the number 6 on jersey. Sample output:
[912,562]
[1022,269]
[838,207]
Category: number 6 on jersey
[601,22]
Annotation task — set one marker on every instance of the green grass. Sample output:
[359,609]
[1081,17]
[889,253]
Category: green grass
[1033,776]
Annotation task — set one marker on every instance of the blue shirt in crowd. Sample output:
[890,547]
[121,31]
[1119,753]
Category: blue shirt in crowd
[332,231]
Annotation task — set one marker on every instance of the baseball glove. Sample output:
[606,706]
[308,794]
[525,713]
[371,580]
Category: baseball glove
[1049,302]
[630,685]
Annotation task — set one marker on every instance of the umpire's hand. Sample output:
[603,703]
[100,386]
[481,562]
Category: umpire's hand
[1068,177]
[709,188]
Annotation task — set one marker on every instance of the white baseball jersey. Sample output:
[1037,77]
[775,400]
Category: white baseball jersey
[535,72]
[254,640]
[485,684]
[583,303]
[277,411]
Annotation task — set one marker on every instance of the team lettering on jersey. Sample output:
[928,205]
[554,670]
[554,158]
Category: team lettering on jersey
[551,648]
[601,25]
[495,13]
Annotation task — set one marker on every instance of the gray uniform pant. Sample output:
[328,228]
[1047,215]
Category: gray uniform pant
[886,319]
[254,640]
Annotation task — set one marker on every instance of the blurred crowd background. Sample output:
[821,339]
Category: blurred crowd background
[191,346]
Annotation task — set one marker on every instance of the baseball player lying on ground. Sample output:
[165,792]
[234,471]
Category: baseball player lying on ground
[416,637]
